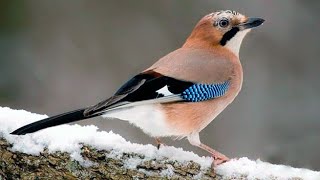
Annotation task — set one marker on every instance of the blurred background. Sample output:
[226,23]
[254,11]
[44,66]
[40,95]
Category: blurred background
[60,55]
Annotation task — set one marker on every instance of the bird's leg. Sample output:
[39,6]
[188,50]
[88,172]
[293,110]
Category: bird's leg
[159,143]
[218,157]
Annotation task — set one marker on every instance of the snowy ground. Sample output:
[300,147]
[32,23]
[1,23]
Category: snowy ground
[67,138]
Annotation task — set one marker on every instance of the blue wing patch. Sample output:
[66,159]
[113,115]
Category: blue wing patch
[202,92]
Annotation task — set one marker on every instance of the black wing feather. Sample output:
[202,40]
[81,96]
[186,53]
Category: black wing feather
[64,118]
[143,86]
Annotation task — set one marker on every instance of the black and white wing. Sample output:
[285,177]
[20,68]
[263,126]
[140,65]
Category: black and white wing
[147,87]
[152,87]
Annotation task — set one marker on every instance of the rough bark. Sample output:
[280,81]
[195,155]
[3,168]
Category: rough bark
[16,165]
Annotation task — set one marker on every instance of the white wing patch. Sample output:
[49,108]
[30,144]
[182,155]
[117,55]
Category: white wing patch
[164,91]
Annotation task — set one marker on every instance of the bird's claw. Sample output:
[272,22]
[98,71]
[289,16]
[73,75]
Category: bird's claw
[219,159]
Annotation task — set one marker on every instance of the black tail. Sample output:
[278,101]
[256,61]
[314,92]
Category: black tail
[64,118]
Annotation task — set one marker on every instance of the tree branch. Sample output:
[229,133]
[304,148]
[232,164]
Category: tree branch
[83,152]
[16,165]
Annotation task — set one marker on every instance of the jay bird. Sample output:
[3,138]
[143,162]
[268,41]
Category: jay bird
[181,93]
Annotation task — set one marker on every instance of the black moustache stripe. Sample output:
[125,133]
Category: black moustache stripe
[228,35]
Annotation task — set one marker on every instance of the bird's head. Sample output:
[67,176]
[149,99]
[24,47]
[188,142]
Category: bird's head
[222,28]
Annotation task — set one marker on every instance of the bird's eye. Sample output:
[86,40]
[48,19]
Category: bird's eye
[224,22]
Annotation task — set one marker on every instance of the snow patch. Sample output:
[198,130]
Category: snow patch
[253,170]
[169,172]
[69,138]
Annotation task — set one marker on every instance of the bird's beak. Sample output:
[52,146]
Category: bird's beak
[251,23]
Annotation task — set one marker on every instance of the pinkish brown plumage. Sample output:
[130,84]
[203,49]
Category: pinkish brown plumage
[184,91]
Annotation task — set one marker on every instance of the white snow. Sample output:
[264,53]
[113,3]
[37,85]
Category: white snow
[169,172]
[68,138]
[264,171]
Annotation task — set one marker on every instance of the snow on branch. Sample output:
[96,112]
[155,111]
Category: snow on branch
[83,152]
